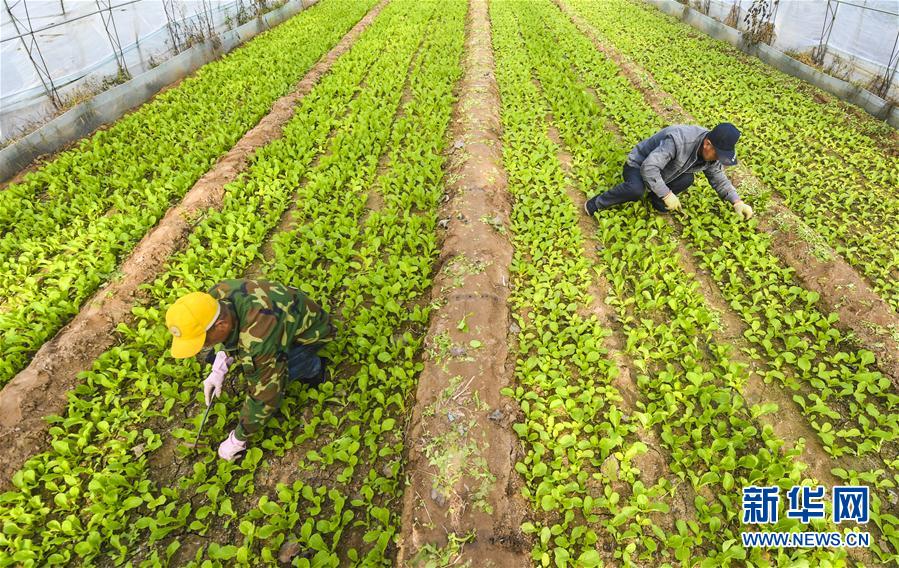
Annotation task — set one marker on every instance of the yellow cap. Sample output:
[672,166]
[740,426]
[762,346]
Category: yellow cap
[188,319]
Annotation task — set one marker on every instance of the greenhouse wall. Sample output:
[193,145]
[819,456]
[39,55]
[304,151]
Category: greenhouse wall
[70,44]
[111,104]
[845,90]
[799,26]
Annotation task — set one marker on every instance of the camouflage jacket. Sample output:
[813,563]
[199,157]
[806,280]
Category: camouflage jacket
[271,318]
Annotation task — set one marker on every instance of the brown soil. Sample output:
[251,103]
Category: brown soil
[788,422]
[843,290]
[41,388]
[461,449]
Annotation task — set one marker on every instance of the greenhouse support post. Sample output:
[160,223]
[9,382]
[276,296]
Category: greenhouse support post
[32,48]
[871,103]
[110,105]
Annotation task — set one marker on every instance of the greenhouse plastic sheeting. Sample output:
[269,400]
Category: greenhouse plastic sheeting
[846,91]
[114,102]
[865,37]
[78,53]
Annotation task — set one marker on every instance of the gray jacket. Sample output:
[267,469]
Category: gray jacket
[672,152]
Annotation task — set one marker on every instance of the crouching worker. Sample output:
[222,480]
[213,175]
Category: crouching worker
[268,331]
[666,163]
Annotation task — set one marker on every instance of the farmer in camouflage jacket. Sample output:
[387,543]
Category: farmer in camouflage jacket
[272,331]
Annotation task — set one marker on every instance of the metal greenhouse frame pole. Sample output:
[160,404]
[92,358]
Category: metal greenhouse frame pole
[830,15]
[104,9]
[173,24]
[890,72]
[33,49]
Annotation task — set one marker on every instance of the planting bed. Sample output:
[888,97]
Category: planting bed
[513,383]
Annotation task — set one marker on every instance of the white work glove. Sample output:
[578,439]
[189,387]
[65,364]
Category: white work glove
[672,203]
[212,386]
[229,449]
[743,210]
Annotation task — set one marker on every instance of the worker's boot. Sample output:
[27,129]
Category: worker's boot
[305,365]
[322,376]
[590,206]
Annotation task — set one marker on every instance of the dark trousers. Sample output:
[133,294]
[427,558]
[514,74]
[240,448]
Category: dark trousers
[633,187]
[303,363]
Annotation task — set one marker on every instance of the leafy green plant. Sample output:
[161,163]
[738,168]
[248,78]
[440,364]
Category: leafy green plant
[126,400]
[837,385]
[65,227]
[689,388]
[572,422]
[825,160]
[431,556]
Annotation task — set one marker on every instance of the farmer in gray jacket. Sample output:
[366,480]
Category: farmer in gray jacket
[666,162]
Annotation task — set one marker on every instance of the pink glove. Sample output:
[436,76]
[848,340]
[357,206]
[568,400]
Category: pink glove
[229,449]
[212,386]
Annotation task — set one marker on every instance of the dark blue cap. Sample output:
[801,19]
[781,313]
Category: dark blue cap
[724,138]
